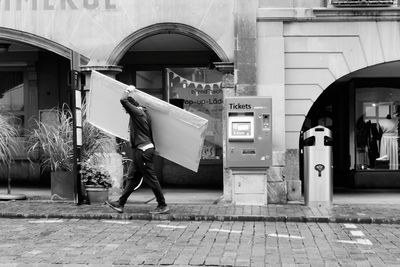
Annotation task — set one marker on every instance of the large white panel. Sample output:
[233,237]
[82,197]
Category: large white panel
[178,134]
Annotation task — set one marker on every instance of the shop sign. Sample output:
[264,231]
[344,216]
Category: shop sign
[34,5]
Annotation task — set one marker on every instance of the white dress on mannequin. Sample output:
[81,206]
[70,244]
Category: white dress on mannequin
[389,144]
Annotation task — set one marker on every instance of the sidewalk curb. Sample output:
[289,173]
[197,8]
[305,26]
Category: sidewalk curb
[192,217]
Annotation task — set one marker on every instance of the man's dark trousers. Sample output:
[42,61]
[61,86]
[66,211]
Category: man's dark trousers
[142,166]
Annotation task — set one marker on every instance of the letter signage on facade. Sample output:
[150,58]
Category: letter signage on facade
[34,5]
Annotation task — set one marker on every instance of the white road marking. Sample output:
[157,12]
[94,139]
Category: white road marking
[34,252]
[350,226]
[357,233]
[225,231]
[357,241]
[172,226]
[286,236]
[115,222]
[47,221]
[364,241]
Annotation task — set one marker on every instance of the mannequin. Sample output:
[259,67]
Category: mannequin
[389,144]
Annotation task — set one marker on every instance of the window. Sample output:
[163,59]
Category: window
[150,81]
[376,130]
[198,90]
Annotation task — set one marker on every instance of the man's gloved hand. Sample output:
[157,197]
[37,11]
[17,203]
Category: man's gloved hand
[130,89]
[128,92]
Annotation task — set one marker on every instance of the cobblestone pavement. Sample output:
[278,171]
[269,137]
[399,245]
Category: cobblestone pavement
[361,213]
[77,242]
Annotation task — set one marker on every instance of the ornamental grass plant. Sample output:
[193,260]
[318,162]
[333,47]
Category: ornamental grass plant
[8,137]
[53,141]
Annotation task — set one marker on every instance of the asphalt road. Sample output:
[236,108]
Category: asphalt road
[75,242]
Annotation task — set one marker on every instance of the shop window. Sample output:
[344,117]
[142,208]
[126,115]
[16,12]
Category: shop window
[198,90]
[376,133]
[150,81]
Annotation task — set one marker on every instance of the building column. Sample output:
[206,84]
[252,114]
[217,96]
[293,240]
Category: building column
[245,47]
[110,71]
[271,82]
[228,88]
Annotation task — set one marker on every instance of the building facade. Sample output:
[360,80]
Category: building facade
[330,63]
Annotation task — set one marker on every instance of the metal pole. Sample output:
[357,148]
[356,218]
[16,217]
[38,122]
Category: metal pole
[8,179]
[77,129]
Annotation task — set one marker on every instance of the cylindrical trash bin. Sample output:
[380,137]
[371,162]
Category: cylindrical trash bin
[318,166]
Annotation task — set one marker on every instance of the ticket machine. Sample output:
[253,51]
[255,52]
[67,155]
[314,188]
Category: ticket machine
[249,132]
[248,147]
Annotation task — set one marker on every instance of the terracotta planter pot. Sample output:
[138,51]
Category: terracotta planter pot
[62,185]
[96,194]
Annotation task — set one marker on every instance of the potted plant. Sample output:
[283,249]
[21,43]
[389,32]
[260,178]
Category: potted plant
[52,141]
[97,181]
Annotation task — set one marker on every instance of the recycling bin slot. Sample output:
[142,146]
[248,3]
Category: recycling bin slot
[328,141]
[318,166]
[309,141]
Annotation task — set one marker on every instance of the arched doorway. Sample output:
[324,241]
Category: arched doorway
[33,79]
[174,62]
[362,110]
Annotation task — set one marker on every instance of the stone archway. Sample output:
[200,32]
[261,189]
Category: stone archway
[177,28]
[34,40]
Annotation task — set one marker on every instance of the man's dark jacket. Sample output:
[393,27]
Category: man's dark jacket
[139,124]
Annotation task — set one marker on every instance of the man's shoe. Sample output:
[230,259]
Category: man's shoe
[160,210]
[115,206]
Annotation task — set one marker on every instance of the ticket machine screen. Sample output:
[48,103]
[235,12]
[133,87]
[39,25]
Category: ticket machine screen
[241,127]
